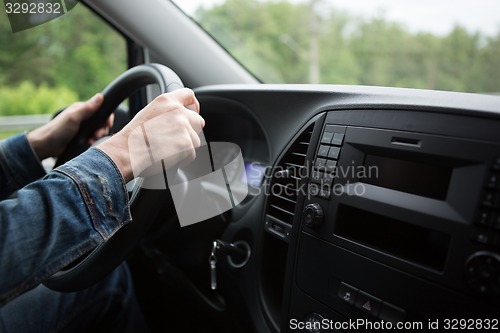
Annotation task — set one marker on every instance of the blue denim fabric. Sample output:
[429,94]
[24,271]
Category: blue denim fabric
[19,165]
[52,221]
[108,306]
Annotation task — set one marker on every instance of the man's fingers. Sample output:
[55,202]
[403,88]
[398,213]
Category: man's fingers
[195,120]
[195,138]
[103,131]
[187,98]
[100,133]
[81,111]
[110,121]
[92,104]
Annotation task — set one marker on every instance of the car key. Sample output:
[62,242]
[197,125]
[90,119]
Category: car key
[213,262]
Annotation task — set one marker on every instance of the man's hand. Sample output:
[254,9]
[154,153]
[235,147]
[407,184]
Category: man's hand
[165,130]
[51,139]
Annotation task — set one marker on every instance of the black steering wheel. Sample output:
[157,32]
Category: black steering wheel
[144,204]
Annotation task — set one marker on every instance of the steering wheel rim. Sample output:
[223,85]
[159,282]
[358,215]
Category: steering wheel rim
[144,203]
[120,88]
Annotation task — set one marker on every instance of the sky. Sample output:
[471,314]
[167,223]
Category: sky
[436,16]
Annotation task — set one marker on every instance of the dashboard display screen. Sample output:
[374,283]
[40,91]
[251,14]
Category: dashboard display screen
[426,180]
[255,173]
[414,243]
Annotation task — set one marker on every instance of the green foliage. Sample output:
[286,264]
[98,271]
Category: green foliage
[72,57]
[6,134]
[273,39]
[263,36]
[47,67]
[26,98]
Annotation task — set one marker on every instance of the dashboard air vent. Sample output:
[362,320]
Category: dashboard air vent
[284,187]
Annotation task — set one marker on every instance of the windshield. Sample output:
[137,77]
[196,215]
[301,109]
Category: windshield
[431,44]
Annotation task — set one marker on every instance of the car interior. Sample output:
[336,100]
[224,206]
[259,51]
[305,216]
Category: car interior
[366,207]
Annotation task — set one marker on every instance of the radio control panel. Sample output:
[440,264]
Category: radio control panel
[326,159]
[418,210]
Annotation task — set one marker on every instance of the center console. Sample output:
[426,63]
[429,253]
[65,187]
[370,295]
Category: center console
[399,222]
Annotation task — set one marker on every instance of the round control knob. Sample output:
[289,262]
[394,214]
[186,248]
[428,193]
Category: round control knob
[313,322]
[482,272]
[313,215]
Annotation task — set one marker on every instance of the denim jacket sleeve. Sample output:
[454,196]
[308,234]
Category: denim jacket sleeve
[19,165]
[54,220]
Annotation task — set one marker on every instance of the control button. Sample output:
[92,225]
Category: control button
[482,271]
[330,166]
[313,189]
[313,215]
[485,218]
[493,181]
[489,199]
[334,152]
[316,176]
[323,151]
[486,275]
[327,137]
[484,237]
[392,313]
[320,164]
[368,303]
[338,138]
[322,179]
[324,193]
[327,180]
[347,293]
[313,323]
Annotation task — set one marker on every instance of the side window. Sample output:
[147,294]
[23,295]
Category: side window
[50,66]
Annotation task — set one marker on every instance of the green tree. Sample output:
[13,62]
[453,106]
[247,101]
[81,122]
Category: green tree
[77,52]
[268,38]
[26,98]
[272,38]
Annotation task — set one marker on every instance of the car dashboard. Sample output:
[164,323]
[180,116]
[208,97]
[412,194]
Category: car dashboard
[366,206]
